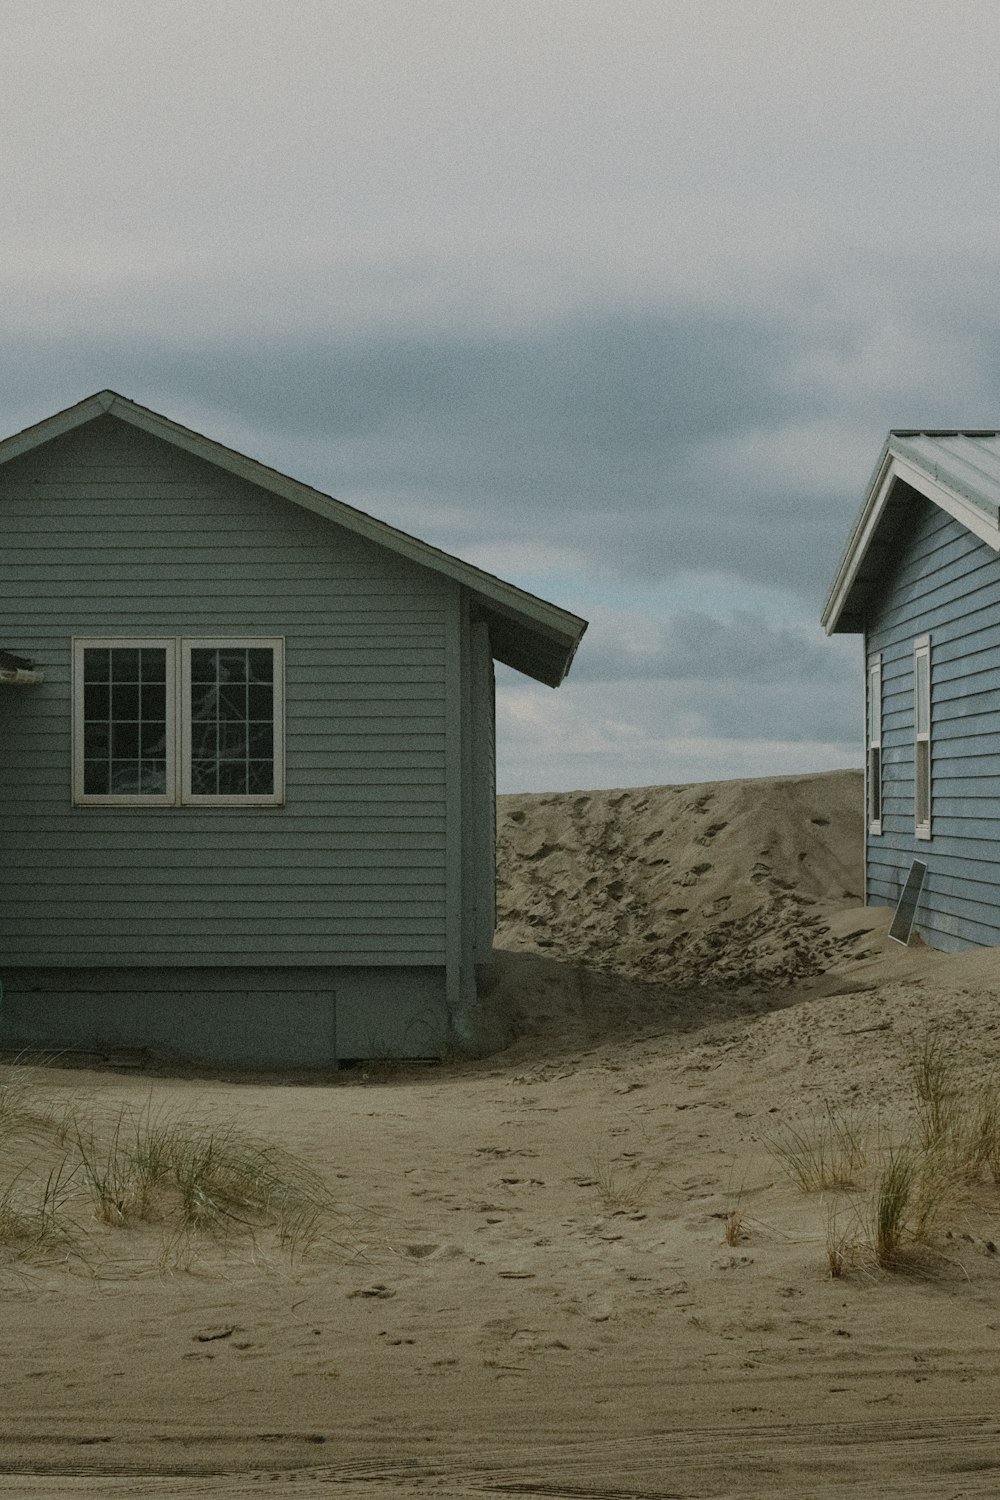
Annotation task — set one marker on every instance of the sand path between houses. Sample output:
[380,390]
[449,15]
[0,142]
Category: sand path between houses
[534,1294]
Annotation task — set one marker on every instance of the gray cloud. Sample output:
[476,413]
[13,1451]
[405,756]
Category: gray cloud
[623,440]
[694,646]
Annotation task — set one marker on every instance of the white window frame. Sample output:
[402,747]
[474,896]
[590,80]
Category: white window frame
[276,645]
[922,740]
[873,772]
[178,739]
[122,799]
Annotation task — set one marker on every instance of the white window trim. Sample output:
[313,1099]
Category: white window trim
[276,645]
[178,745]
[118,799]
[922,652]
[873,728]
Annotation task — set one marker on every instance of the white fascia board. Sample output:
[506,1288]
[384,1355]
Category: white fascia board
[861,536]
[54,427]
[894,466]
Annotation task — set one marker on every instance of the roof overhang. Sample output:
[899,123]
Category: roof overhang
[526,632]
[909,461]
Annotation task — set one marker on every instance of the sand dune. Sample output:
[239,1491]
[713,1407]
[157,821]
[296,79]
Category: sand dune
[538,1295]
[719,881]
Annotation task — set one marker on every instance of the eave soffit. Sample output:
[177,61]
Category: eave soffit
[959,471]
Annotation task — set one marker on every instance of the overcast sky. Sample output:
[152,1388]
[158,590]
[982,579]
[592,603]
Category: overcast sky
[616,298]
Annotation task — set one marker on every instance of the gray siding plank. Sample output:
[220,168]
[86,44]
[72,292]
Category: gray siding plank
[131,537]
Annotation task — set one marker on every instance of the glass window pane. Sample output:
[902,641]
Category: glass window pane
[260,701]
[204,740]
[153,701]
[260,741]
[232,741]
[203,664]
[204,779]
[124,777]
[232,721]
[153,739]
[96,741]
[153,664]
[154,777]
[260,664]
[923,782]
[204,703]
[233,701]
[95,777]
[261,778]
[232,778]
[125,728]
[874,785]
[233,665]
[96,664]
[124,664]
[124,701]
[96,701]
[124,741]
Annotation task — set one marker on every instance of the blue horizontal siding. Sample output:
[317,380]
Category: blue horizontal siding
[944,583]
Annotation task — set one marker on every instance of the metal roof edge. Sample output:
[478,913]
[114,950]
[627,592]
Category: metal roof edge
[898,462]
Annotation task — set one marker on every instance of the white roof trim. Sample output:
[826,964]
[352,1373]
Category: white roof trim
[558,627]
[893,466]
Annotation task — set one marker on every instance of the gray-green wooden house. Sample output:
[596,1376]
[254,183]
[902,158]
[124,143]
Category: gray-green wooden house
[919,582]
[247,750]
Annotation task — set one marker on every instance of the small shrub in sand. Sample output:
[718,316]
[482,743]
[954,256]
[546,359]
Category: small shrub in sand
[825,1153]
[891,1205]
[139,1167]
[976,1132]
[203,1176]
[932,1063]
[620,1186]
[734,1231]
[32,1218]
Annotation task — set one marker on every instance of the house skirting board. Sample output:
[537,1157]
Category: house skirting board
[280,1018]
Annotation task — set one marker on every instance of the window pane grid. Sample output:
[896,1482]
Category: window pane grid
[136,739]
[125,721]
[232,721]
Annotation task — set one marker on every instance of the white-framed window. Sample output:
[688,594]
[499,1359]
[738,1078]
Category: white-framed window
[188,721]
[875,744]
[922,737]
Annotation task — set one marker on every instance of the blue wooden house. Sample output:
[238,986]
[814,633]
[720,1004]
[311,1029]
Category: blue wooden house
[247,740]
[920,582]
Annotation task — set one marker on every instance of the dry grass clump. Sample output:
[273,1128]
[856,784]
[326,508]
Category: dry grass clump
[823,1154]
[60,1169]
[903,1190]
[620,1185]
[32,1219]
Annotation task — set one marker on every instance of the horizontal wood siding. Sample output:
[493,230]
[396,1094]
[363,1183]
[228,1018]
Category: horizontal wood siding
[946,584]
[108,531]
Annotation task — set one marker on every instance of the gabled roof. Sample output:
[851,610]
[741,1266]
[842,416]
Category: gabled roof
[526,632]
[957,470]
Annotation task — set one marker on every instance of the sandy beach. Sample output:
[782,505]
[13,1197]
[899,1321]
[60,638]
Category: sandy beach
[579,1267]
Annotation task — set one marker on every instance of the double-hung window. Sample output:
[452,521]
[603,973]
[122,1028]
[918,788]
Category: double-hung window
[875,744]
[922,737]
[178,722]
